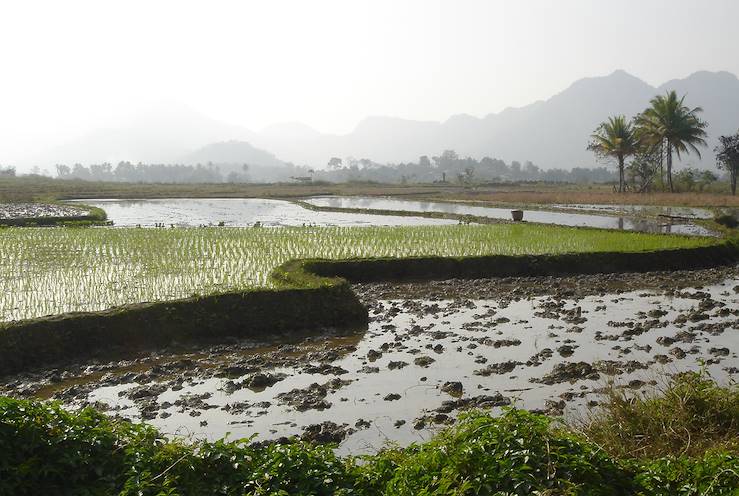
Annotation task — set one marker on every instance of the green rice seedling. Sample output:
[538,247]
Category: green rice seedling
[47,271]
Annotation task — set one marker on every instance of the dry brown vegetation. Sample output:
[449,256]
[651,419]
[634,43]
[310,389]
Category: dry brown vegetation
[513,194]
[565,195]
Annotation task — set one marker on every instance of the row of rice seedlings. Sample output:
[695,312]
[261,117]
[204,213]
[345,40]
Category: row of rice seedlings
[52,271]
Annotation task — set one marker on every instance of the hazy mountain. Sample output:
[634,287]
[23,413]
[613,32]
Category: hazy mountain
[551,133]
[717,93]
[231,156]
[162,134]
[231,152]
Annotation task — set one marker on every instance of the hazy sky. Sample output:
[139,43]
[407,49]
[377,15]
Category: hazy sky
[67,67]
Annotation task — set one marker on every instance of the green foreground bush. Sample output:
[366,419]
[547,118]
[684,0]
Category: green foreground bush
[48,450]
[690,415]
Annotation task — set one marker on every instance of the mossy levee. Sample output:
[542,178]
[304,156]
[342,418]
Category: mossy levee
[302,294]
[49,450]
[55,271]
[125,330]
[92,216]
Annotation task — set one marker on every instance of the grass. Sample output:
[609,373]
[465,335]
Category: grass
[51,271]
[688,416]
[570,194]
[508,194]
[21,189]
[48,450]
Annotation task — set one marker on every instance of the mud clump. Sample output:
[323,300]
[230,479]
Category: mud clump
[497,368]
[482,401]
[453,388]
[313,397]
[569,372]
[326,433]
[424,361]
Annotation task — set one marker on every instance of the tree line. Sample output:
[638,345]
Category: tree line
[449,167]
[153,173]
[643,147]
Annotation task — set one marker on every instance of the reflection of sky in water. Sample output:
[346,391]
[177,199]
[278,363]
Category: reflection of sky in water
[463,352]
[543,216]
[690,212]
[239,212]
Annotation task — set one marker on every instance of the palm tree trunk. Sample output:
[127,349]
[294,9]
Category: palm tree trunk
[620,174]
[669,166]
[662,165]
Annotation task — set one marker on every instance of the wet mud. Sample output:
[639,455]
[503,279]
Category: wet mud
[432,350]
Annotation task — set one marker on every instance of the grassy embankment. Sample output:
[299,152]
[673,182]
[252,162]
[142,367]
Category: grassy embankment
[122,290]
[690,433]
[94,217]
[504,194]
[47,271]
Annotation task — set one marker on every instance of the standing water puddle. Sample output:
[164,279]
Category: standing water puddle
[542,216]
[421,362]
[240,212]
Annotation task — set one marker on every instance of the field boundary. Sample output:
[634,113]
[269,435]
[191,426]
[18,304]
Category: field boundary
[463,218]
[310,295]
[95,216]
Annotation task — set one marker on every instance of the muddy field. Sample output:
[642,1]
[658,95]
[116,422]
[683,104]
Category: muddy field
[39,210]
[431,350]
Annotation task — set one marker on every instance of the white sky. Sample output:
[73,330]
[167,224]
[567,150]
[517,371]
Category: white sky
[67,67]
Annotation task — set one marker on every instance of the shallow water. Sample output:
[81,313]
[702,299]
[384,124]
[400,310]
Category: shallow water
[191,212]
[651,210]
[542,216]
[462,337]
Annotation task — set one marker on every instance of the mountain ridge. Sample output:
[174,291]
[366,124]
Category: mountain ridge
[552,133]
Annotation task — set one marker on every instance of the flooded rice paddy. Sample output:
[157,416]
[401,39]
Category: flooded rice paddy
[431,350]
[640,210]
[627,220]
[239,212]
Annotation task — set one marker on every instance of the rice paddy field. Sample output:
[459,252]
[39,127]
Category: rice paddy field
[47,271]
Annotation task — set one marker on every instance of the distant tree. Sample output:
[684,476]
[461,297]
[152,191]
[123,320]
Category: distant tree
[727,156]
[531,171]
[615,139]
[80,171]
[446,160]
[669,121]
[367,164]
[644,168]
[124,171]
[62,170]
[706,177]
[494,167]
[335,163]
[424,161]
[685,179]
[516,170]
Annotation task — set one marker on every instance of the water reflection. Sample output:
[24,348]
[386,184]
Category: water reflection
[238,212]
[669,225]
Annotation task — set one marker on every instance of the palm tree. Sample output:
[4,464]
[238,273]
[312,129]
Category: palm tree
[615,138]
[668,121]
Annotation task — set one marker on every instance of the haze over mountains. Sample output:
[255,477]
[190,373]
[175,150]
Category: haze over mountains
[551,133]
